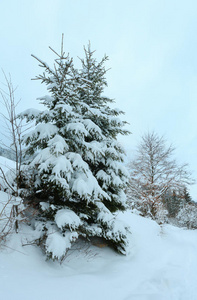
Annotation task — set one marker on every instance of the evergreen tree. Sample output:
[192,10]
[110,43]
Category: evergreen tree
[75,169]
[173,203]
[186,196]
[105,166]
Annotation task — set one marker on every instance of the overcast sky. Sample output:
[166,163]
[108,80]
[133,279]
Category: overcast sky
[152,52]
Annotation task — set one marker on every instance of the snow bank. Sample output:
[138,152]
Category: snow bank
[6,164]
[161,265]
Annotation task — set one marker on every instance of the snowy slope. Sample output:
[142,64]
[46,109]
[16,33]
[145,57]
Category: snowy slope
[162,264]
[6,163]
[6,201]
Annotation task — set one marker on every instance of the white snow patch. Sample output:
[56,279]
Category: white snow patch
[66,217]
[161,265]
[57,245]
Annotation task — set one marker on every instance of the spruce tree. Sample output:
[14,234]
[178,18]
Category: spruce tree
[75,167]
[186,196]
[172,202]
[106,166]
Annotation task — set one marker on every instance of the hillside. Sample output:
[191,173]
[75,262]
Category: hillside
[8,153]
[6,163]
[161,265]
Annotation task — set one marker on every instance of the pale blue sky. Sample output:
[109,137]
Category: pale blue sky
[152,49]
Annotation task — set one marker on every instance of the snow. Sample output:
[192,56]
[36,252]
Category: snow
[77,161]
[66,217]
[77,128]
[85,185]
[30,113]
[61,164]
[6,164]
[96,148]
[103,175]
[42,131]
[44,206]
[8,167]
[46,99]
[58,144]
[92,127]
[5,208]
[64,107]
[56,244]
[161,265]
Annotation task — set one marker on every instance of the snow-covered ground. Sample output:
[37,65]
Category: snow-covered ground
[162,264]
[6,164]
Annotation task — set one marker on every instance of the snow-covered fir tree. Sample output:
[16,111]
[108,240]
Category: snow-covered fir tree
[173,202]
[75,168]
[104,152]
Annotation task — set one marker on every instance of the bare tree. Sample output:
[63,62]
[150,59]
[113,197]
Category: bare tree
[153,172]
[13,127]
[13,133]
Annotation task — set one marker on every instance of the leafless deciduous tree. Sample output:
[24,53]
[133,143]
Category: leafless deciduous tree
[13,126]
[153,172]
[13,133]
